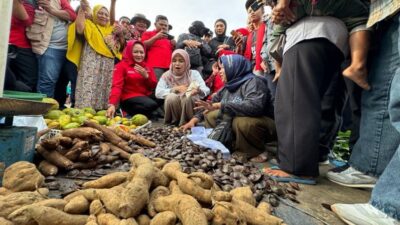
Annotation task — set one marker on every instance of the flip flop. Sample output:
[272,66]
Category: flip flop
[292,178]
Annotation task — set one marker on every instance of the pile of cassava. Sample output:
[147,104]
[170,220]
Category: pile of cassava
[86,148]
[153,192]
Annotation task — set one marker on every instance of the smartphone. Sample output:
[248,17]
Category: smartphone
[170,37]
[256,6]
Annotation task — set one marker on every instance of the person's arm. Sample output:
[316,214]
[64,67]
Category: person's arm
[162,89]
[65,5]
[60,13]
[80,21]
[19,11]
[180,43]
[112,12]
[117,85]
[205,49]
[148,42]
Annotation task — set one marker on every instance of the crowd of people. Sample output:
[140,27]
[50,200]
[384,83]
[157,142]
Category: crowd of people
[284,80]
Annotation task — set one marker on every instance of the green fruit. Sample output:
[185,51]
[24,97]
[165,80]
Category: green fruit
[79,119]
[139,119]
[89,110]
[54,114]
[67,111]
[52,101]
[101,119]
[101,113]
[77,112]
[64,120]
[71,125]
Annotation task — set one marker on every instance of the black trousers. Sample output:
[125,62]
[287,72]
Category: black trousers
[332,106]
[69,73]
[307,70]
[140,105]
[24,65]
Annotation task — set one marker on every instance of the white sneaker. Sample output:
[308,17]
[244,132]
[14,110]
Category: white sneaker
[362,214]
[350,177]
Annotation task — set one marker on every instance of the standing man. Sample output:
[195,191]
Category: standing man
[159,46]
[49,41]
[140,24]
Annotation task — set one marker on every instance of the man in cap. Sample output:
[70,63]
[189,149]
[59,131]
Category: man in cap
[140,24]
[159,46]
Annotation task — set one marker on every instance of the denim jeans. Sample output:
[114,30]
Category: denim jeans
[378,139]
[385,195]
[50,65]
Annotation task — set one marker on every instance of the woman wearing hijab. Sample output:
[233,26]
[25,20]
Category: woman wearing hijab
[220,41]
[133,83]
[180,87]
[95,57]
[245,102]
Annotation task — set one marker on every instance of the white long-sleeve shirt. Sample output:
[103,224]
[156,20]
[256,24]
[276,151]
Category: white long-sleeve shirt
[163,89]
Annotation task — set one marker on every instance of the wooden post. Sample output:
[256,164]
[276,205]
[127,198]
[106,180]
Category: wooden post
[5,18]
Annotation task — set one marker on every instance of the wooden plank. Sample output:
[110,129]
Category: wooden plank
[5,18]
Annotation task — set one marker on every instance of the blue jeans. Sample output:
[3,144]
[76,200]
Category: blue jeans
[50,65]
[378,139]
[385,195]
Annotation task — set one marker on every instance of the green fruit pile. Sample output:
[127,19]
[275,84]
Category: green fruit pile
[74,117]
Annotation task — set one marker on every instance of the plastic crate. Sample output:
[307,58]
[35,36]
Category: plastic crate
[24,95]
[16,144]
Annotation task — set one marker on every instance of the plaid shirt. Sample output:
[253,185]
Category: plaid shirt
[381,9]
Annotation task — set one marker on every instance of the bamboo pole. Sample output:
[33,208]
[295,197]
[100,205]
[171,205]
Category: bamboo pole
[5,18]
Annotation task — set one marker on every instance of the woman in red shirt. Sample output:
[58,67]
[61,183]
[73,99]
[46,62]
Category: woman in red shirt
[133,83]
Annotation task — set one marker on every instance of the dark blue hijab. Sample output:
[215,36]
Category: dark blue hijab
[237,69]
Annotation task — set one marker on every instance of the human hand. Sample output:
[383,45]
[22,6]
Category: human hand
[142,71]
[223,46]
[282,14]
[111,111]
[45,4]
[195,91]
[207,106]
[192,43]
[187,126]
[238,40]
[160,35]
[180,89]
[277,71]
[265,67]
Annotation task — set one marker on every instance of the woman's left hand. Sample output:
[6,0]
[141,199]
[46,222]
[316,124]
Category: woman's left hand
[142,71]
[207,106]
[195,91]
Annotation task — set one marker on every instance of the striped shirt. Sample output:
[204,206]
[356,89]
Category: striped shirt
[381,9]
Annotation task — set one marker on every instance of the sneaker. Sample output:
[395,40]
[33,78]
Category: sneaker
[362,214]
[350,177]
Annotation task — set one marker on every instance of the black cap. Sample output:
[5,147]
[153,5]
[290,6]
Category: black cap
[249,3]
[139,16]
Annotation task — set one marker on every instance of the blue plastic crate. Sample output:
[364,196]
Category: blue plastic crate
[16,144]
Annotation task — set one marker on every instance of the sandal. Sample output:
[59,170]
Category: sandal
[263,157]
[286,177]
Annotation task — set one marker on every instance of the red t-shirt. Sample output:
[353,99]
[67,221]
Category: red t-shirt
[127,83]
[18,27]
[159,54]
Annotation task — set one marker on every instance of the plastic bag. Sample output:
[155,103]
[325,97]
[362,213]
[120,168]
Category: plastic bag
[199,136]
[30,121]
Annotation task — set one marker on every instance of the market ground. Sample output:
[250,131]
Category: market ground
[310,210]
